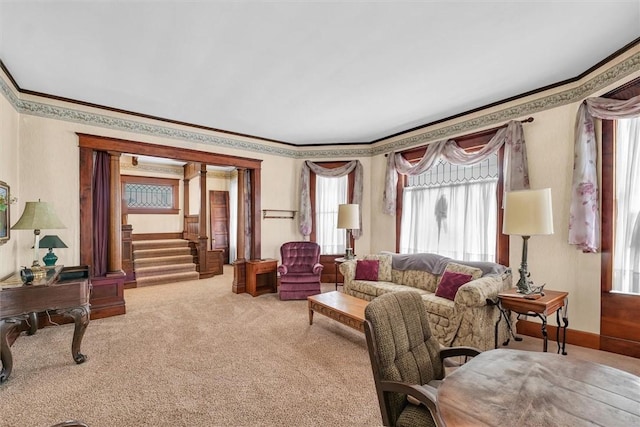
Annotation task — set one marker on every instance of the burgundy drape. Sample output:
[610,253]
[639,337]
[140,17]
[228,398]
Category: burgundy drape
[101,177]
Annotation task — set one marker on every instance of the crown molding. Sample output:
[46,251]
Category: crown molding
[599,81]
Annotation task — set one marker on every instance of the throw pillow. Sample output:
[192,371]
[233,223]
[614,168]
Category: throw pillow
[367,270]
[450,283]
[453,267]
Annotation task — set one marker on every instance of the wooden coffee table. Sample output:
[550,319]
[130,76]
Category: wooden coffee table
[339,306]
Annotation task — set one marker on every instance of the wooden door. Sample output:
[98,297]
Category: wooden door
[219,208]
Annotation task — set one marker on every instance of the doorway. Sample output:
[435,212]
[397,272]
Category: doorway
[219,222]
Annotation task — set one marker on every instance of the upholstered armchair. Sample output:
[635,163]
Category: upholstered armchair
[300,270]
[407,361]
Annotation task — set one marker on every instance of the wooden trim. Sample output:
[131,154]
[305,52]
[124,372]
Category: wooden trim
[146,149]
[579,338]
[256,219]
[167,182]
[86,206]
[90,143]
[619,325]
[620,346]
[156,236]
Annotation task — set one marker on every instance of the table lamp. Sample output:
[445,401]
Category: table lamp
[50,242]
[37,216]
[527,213]
[349,219]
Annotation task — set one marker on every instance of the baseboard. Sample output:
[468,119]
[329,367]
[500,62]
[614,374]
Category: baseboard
[579,338]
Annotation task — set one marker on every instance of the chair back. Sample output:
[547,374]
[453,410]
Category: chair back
[300,257]
[401,347]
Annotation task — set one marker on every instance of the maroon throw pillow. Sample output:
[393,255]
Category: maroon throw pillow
[450,283]
[367,269]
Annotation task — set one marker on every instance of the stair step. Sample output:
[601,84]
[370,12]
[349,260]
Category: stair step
[167,278]
[164,270]
[162,243]
[164,260]
[160,252]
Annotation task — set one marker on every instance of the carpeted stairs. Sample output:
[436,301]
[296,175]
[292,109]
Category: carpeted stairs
[163,261]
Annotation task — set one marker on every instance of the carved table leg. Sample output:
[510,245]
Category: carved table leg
[80,317]
[6,326]
[32,318]
[544,333]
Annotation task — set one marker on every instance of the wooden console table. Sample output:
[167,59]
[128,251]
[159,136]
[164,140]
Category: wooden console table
[262,276]
[68,296]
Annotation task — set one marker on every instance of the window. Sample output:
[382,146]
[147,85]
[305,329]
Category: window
[325,195]
[147,195]
[483,195]
[452,211]
[626,242]
[330,192]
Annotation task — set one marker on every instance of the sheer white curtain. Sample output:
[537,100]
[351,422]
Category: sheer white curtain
[457,221]
[626,257]
[233,217]
[330,192]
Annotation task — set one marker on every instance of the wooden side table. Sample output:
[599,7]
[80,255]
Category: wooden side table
[262,276]
[336,263]
[540,306]
[68,296]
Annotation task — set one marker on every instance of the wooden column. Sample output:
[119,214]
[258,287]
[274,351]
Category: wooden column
[114,242]
[202,228]
[256,219]
[239,267]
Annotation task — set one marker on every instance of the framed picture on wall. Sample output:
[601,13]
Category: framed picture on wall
[4,212]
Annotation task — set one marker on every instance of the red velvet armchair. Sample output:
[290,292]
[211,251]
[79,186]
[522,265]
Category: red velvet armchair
[300,270]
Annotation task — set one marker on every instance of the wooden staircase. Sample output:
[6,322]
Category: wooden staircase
[163,261]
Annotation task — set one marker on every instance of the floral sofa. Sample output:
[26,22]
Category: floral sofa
[465,319]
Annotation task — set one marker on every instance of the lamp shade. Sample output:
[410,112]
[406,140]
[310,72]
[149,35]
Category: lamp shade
[528,213]
[349,216]
[38,216]
[51,241]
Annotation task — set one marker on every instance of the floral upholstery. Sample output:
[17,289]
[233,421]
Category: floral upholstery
[465,321]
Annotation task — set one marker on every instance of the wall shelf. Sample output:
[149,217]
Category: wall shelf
[278,213]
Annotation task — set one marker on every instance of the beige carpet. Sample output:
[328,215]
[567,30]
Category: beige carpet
[196,354]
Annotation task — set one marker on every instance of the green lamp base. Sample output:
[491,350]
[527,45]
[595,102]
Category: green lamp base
[50,258]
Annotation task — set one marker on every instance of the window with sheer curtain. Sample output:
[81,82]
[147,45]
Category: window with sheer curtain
[626,255]
[330,192]
[452,211]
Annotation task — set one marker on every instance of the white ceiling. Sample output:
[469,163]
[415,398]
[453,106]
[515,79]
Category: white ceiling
[306,72]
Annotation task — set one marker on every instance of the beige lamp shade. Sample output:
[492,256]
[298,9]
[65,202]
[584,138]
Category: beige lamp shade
[528,213]
[38,216]
[349,216]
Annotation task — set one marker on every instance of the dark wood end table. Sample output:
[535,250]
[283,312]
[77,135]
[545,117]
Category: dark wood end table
[540,306]
[20,303]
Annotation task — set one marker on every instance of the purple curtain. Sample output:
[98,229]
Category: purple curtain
[100,212]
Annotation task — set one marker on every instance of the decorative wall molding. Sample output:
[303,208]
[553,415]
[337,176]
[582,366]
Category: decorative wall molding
[559,99]
[576,94]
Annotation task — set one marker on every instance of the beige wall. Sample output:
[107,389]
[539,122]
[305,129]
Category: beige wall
[9,124]
[39,159]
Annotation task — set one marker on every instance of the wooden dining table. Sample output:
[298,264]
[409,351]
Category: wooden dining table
[521,388]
